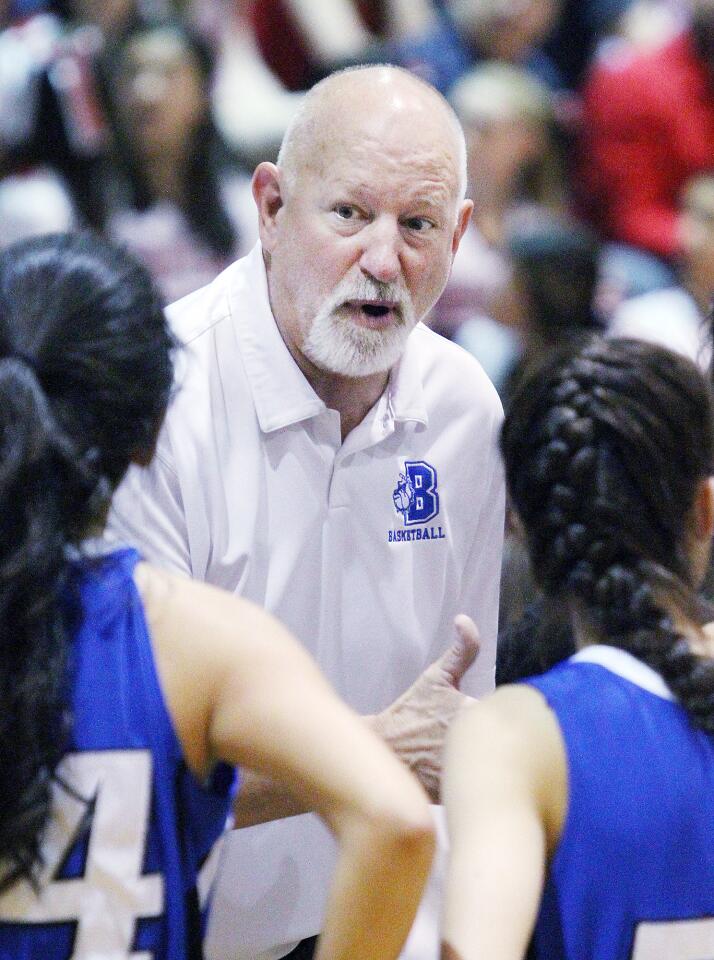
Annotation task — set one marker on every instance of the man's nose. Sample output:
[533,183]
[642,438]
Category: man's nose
[380,253]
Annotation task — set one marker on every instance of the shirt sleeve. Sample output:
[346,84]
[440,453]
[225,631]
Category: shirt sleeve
[147,513]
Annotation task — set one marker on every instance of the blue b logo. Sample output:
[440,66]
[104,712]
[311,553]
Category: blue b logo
[415,496]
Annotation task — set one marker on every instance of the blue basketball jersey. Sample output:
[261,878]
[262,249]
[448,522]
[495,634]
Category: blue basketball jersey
[633,875]
[130,826]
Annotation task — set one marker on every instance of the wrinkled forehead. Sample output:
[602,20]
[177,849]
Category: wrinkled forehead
[412,144]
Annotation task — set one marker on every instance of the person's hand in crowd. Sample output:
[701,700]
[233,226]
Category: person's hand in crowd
[415,725]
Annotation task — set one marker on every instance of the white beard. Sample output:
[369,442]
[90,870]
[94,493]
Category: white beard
[337,344]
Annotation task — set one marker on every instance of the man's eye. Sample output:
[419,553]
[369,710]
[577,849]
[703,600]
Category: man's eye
[418,224]
[345,212]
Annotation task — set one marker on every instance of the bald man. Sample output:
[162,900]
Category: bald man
[333,460]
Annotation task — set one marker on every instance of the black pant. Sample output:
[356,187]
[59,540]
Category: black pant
[305,950]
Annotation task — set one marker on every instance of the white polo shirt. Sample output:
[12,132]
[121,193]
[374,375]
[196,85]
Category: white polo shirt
[365,549]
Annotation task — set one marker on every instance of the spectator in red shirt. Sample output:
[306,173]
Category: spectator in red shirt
[648,128]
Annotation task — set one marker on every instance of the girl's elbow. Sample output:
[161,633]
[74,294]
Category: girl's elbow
[409,829]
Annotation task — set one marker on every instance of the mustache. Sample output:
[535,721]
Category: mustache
[366,288]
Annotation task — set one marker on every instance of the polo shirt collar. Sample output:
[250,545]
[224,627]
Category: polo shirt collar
[405,391]
[281,393]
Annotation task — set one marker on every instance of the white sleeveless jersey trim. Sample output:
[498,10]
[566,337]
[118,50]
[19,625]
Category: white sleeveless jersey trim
[625,665]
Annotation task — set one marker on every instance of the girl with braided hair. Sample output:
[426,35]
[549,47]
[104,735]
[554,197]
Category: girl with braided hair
[581,802]
[128,695]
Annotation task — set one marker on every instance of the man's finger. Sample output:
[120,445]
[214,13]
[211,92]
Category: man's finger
[463,651]
[467,628]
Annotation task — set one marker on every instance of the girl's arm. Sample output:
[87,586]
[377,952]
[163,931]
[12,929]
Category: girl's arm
[505,792]
[242,690]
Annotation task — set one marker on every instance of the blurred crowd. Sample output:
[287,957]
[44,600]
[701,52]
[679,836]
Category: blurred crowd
[589,125]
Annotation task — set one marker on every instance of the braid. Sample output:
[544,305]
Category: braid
[604,452]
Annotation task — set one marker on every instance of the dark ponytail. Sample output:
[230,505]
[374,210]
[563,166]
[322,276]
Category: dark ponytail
[85,376]
[604,453]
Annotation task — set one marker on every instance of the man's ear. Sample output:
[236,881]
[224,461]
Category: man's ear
[703,512]
[461,224]
[267,193]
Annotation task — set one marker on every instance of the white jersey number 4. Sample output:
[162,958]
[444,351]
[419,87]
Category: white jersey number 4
[675,940]
[112,894]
